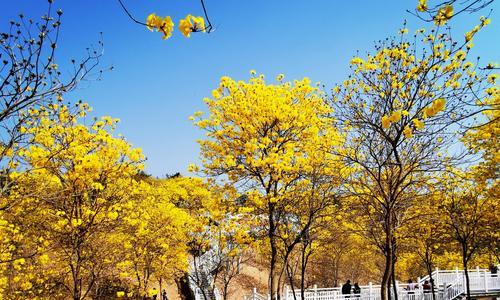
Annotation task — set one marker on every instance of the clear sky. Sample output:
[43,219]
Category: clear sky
[156,85]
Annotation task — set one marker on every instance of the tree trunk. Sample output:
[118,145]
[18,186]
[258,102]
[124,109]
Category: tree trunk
[394,286]
[289,274]
[274,253]
[160,281]
[433,290]
[183,288]
[467,283]
[385,284]
[303,273]
[226,290]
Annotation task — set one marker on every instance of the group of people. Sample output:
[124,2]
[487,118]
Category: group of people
[348,289]
[426,286]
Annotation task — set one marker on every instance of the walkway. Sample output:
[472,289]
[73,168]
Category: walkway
[449,285]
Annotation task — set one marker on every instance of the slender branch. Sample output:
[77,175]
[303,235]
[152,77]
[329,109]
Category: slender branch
[209,27]
[130,15]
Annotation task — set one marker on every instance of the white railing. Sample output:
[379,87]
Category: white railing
[448,285]
[256,296]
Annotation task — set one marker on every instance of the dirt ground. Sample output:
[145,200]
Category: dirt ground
[251,275]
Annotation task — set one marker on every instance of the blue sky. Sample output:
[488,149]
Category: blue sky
[156,85]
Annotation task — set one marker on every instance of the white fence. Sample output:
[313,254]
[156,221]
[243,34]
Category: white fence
[198,294]
[448,285]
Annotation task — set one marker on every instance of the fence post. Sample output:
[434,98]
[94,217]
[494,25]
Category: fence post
[478,271]
[436,282]
[315,288]
[286,291]
[485,281]
[254,293]
[421,290]
[370,289]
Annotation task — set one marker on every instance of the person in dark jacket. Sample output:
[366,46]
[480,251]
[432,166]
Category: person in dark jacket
[427,287]
[493,270]
[356,290]
[346,288]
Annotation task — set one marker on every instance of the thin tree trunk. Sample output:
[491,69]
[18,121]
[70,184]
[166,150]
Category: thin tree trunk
[274,253]
[290,280]
[467,282]
[394,286]
[433,290]
[303,273]
[385,284]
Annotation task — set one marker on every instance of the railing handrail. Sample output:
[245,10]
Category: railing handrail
[449,284]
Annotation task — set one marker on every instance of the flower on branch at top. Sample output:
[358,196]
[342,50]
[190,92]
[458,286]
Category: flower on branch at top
[163,25]
[191,24]
[422,5]
[443,15]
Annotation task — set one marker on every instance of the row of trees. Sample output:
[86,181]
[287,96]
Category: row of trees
[391,150]
[396,166]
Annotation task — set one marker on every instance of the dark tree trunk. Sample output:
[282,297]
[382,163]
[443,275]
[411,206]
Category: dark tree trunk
[274,253]
[394,286]
[303,273]
[185,291]
[433,290]
[386,284]
[465,255]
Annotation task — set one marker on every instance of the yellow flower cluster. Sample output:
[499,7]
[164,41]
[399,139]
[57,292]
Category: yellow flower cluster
[437,106]
[163,25]
[470,34]
[166,25]
[422,5]
[443,15]
[393,118]
[191,24]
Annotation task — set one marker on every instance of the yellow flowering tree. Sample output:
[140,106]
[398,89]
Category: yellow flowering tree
[470,214]
[30,77]
[401,107]
[75,185]
[154,238]
[425,236]
[311,204]
[266,139]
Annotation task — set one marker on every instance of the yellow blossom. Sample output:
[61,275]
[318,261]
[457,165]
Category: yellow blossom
[408,132]
[191,24]
[422,5]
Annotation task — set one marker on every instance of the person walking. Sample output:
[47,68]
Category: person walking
[164,295]
[346,288]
